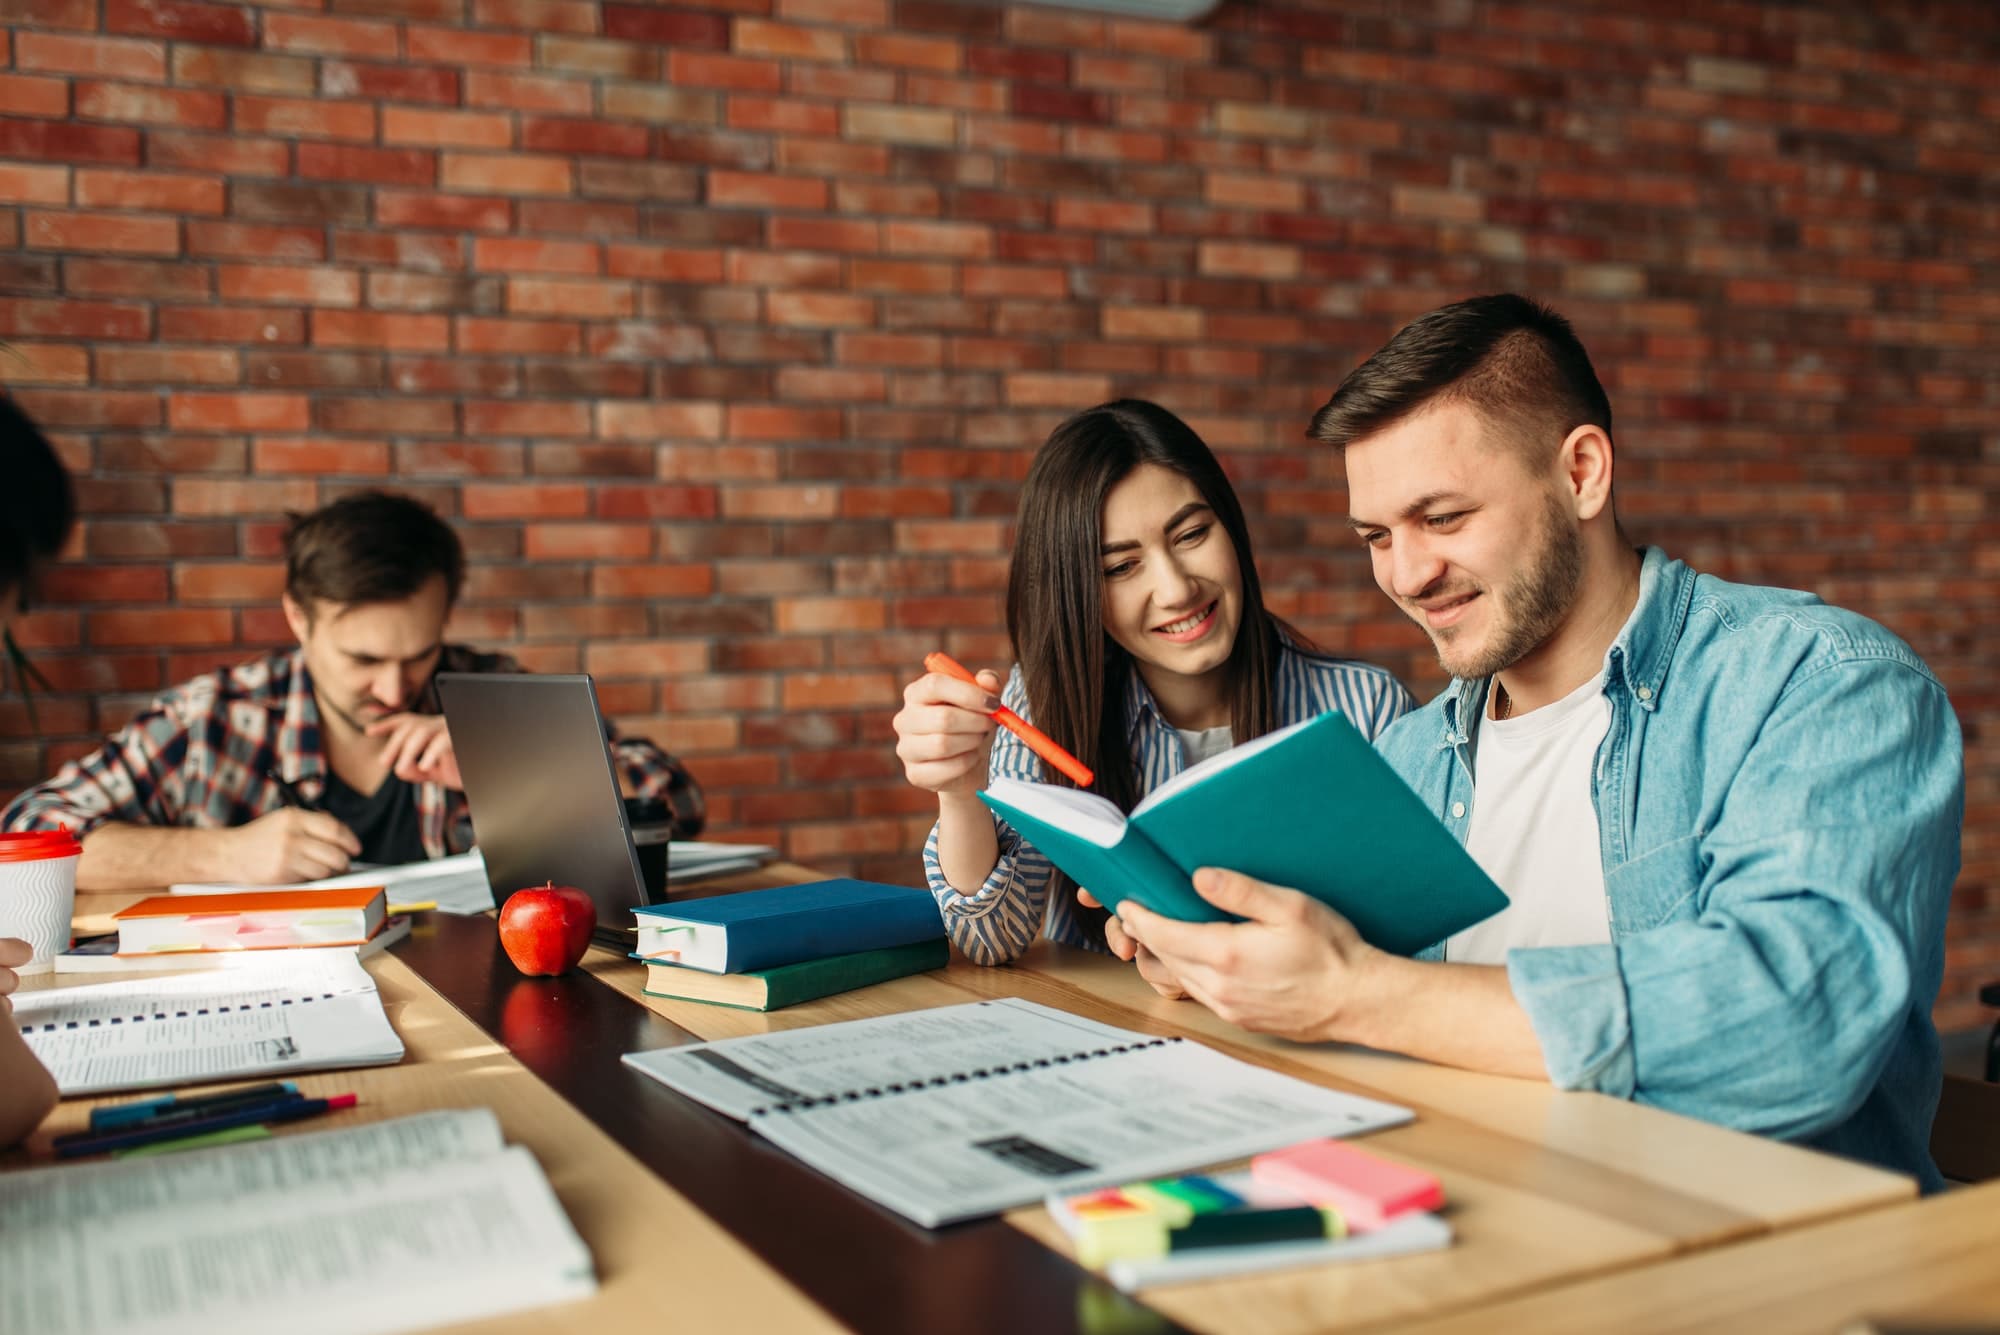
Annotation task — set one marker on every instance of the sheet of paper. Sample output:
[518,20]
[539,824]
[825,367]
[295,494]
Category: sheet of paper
[458,883]
[969,1148]
[290,1015]
[75,1194]
[360,1255]
[736,1075]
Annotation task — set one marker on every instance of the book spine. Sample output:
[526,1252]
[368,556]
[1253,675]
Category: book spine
[770,943]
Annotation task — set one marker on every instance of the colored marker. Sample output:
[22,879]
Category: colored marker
[1038,741]
[120,1115]
[290,1110]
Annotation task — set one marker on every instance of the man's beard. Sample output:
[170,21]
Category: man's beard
[1532,605]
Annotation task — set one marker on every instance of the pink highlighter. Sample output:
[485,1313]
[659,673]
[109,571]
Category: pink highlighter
[1367,1192]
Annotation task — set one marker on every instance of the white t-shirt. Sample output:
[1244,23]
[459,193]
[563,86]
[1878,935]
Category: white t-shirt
[1534,828]
[1198,745]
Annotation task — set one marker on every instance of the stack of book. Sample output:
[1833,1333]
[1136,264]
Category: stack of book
[215,931]
[763,949]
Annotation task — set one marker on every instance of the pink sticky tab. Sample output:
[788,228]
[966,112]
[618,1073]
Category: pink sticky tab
[1367,1191]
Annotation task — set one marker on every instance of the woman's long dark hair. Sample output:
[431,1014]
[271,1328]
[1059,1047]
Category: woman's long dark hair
[1076,675]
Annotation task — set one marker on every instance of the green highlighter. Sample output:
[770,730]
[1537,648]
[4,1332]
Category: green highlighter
[227,1136]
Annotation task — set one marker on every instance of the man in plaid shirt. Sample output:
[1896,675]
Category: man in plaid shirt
[288,767]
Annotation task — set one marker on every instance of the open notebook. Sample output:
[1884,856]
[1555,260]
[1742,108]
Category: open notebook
[391,1226]
[293,1011]
[963,1111]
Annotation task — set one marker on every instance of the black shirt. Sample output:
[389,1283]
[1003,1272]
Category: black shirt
[385,821]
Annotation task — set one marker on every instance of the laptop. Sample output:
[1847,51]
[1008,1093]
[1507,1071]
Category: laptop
[544,791]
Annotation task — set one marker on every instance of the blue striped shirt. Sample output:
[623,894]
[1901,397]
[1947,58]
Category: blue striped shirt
[1006,914]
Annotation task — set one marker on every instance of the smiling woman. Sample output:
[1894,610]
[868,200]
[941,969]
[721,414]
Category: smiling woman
[1144,646]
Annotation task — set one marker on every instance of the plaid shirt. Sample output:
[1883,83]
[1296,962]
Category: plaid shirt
[203,753]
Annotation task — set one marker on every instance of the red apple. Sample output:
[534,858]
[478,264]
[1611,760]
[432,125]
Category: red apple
[546,929]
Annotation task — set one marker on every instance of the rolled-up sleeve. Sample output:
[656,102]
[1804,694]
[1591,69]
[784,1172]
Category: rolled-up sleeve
[995,923]
[1822,890]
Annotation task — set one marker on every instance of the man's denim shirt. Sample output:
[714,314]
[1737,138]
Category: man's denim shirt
[1779,800]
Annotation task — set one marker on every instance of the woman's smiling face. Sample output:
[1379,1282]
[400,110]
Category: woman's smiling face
[1173,593]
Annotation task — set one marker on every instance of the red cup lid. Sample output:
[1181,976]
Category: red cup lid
[38,845]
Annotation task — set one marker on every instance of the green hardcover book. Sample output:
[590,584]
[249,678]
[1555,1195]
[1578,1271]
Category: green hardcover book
[789,984]
[1310,806]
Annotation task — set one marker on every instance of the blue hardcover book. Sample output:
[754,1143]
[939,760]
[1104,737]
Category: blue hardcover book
[763,929]
[1310,806]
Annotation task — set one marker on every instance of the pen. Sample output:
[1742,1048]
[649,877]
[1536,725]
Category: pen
[1038,741]
[147,1110]
[288,1111]
[289,791]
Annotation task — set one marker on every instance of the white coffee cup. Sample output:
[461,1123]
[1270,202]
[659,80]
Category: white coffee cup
[38,893]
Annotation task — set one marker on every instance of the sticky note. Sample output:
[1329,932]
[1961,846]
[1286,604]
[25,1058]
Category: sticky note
[1367,1191]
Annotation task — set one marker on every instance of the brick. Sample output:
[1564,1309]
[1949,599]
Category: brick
[182,20]
[843,690]
[236,325]
[659,421]
[232,583]
[232,156]
[34,185]
[400,250]
[298,203]
[648,658]
[529,92]
[583,298]
[652,581]
[960,240]
[748,190]
[351,329]
[785,41]
[521,500]
[391,83]
[313,370]
[91,408]
[151,629]
[701,69]
[780,502]
[234,240]
[507,174]
[64,142]
[205,496]
[819,310]
[559,542]
[546,337]
[29,95]
[902,125]
[102,232]
[150,106]
[503,418]
[243,71]
[457,213]
[774,115]
[53,364]
[310,286]
[149,190]
[520,255]
[571,16]
[581,55]
[461,46]
[169,366]
[330,37]
[320,456]
[384,166]
[317,118]
[238,412]
[112,57]
[587,138]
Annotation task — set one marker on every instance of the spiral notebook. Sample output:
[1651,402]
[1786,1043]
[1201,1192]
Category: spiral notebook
[964,1111]
[290,1014]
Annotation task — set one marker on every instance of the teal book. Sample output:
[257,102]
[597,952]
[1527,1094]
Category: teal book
[1311,806]
[789,984]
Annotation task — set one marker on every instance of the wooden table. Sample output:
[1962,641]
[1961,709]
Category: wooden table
[1549,1191]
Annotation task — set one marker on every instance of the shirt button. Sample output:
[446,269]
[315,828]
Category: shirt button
[1645,692]
[1458,811]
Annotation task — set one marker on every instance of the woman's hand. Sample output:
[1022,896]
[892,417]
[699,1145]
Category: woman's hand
[944,731]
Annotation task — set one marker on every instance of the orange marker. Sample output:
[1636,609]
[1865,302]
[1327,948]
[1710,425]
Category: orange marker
[1038,741]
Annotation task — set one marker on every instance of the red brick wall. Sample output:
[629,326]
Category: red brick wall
[725,331]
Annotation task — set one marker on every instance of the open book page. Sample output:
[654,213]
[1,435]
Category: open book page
[1086,815]
[350,1255]
[1215,764]
[736,1075]
[293,1014]
[458,883]
[961,1150]
[106,1189]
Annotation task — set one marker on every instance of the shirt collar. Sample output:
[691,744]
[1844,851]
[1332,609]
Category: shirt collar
[1638,659]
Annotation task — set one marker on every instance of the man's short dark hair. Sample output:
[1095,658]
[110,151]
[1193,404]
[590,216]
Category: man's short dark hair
[37,507]
[1514,361]
[371,547]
